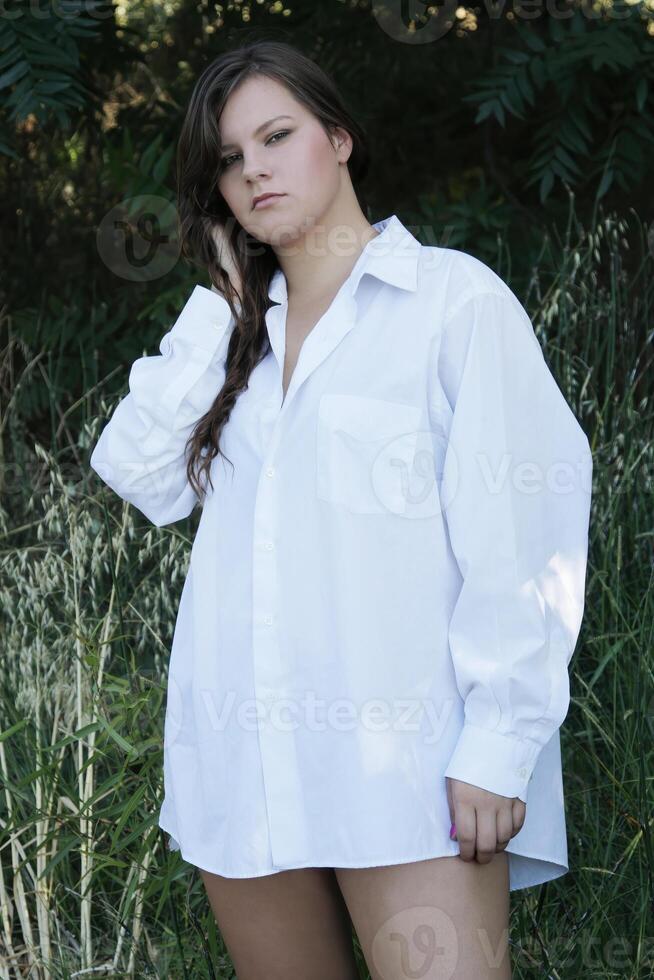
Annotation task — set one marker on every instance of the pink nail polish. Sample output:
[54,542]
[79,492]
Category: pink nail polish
[452,831]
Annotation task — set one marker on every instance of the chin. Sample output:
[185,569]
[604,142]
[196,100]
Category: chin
[278,232]
[295,227]
[283,225]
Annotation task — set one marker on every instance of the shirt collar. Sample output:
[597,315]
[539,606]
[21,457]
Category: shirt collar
[392,256]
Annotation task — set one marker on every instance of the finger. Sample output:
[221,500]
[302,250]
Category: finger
[466,830]
[486,835]
[504,826]
[519,812]
[450,801]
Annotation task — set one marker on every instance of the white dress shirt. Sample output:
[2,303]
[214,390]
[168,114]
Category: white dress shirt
[388,585]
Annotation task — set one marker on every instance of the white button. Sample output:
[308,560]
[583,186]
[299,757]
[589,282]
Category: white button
[269,545]
[270,471]
[268,620]
[522,773]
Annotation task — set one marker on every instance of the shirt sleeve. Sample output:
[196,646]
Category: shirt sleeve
[515,498]
[141,450]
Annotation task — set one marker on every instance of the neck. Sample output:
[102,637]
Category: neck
[317,261]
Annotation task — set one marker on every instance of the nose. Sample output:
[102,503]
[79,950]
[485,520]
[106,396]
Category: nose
[254,169]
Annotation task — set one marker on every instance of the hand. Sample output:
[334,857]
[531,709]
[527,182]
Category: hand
[485,822]
[225,258]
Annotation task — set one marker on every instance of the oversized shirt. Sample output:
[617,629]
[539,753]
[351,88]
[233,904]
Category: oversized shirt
[387,586]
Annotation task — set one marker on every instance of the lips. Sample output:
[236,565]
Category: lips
[265,197]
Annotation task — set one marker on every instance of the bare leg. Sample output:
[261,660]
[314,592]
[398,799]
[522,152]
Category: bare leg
[292,924]
[440,919]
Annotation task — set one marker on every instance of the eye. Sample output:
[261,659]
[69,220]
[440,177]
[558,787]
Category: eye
[282,132]
[227,161]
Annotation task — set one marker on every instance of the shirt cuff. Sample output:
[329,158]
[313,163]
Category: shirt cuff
[203,320]
[495,762]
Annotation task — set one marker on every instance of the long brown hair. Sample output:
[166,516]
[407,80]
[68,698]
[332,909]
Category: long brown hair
[201,205]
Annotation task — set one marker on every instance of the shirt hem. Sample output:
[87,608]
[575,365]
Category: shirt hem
[553,868]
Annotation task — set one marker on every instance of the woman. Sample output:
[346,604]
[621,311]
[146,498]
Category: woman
[391,570]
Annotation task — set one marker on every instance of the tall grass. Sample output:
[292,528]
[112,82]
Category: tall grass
[88,597]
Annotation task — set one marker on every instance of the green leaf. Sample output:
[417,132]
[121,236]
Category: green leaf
[146,162]
[515,57]
[484,111]
[18,71]
[9,151]
[546,184]
[566,159]
[641,93]
[126,746]
[531,40]
[605,183]
[160,168]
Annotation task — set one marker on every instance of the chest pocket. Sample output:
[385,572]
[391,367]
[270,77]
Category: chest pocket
[365,453]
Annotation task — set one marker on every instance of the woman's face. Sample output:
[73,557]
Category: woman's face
[291,156]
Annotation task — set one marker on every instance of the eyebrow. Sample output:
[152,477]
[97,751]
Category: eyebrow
[231,146]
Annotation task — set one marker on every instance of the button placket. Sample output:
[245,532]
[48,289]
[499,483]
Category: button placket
[281,776]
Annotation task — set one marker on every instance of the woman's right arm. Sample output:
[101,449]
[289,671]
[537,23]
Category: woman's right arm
[140,452]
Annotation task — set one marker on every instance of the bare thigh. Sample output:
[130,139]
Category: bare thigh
[440,919]
[292,924]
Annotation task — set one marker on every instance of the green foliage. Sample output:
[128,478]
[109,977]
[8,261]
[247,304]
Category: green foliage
[573,85]
[40,60]
[545,105]
[138,170]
